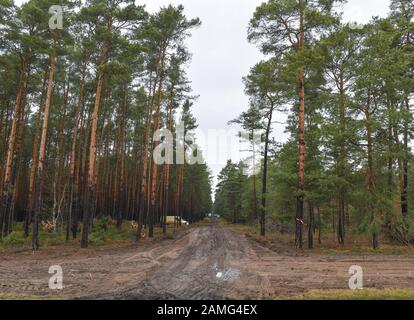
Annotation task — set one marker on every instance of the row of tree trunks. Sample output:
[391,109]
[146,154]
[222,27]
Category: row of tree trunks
[144,195]
[17,172]
[91,189]
[42,151]
[179,194]
[59,184]
[154,175]
[120,195]
[166,168]
[73,187]
[35,154]
[7,189]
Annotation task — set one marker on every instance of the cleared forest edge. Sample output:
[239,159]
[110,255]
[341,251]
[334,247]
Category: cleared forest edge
[80,119]
[283,243]
[205,262]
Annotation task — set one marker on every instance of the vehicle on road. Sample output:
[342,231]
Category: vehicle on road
[172,219]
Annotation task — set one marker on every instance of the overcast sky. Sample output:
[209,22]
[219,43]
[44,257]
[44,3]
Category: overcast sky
[222,55]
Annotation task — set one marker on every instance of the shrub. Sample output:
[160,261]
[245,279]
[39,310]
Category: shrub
[15,239]
[97,239]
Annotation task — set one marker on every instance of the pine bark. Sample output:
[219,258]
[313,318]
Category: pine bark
[302,145]
[73,190]
[154,175]
[7,194]
[42,151]
[341,164]
[121,195]
[371,174]
[144,194]
[35,155]
[264,176]
[91,181]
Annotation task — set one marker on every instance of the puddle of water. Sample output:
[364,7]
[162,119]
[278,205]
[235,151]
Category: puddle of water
[228,275]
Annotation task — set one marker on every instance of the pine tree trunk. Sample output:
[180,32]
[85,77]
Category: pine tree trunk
[178,204]
[144,195]
[311,225]
[91,181]
[17,170]
[341,163]
[42,151]
[371,179]
[73,192]
[319,227]
[59,193]
[255,216]
[153,191]
[302,147]
[33,169]
[7,194]
[121,198]
[3,143]
[264,176]
[167,165]
[404,193]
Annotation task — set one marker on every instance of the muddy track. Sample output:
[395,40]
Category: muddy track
[207,262]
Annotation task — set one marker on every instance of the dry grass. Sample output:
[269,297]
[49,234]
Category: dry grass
[15,296]
[357,245]
[16,242]
[365,294]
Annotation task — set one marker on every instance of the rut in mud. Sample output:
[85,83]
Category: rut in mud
[207,262]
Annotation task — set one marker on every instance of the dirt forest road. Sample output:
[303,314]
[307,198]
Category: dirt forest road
[206,262]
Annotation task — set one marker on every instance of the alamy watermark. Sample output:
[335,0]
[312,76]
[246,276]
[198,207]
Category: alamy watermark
[56,280]
[356,26]
[214,146]
[356,282]
[56,20]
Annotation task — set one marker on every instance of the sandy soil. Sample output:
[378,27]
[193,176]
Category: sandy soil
[207,262]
